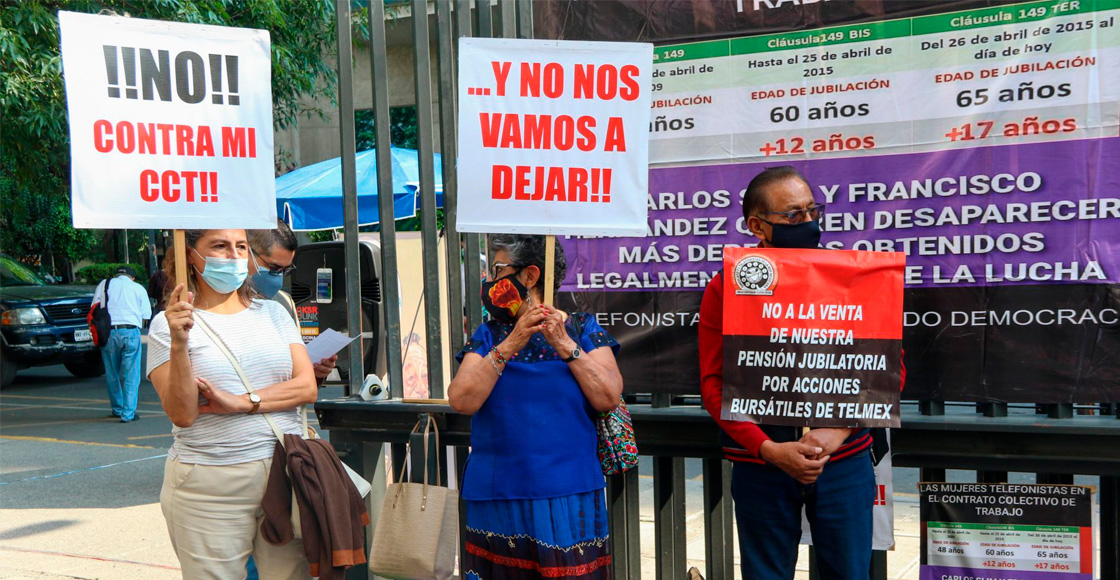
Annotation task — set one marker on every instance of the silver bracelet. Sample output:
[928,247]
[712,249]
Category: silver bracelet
[494,363]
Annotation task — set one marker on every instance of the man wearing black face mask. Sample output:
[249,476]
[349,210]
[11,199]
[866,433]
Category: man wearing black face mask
[777,470]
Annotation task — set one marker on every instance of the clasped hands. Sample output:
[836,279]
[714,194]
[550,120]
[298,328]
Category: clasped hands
[804,460]
[547,320]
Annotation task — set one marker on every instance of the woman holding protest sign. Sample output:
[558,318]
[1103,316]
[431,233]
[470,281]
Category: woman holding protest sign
[218,464]
[534,378]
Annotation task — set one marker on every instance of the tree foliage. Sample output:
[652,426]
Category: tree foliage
[402,128]
[34,142]
[98,271]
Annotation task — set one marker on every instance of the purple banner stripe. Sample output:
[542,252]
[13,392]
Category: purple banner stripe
[696,210]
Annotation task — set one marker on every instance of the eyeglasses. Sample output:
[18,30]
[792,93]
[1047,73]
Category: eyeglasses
[274,269]
[799,215]
[499,266]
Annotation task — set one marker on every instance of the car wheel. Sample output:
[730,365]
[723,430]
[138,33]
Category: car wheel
[7,371]
[86,368]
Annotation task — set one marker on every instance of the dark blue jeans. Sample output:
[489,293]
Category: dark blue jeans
[768,514]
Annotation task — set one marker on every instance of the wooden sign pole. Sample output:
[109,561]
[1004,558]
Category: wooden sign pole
[181,260]
[549,267]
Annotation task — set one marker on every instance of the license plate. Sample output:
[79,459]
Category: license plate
[82,335]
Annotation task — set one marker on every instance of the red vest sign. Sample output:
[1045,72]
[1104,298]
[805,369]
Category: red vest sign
[812,337]
[553,136]
[170,124]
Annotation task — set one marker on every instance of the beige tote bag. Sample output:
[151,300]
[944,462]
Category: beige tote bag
[417,535]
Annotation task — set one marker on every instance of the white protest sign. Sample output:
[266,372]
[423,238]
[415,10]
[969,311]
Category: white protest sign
[170,124]
[553,136]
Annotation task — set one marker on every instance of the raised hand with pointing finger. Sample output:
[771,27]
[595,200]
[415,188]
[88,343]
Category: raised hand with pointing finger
[180,314]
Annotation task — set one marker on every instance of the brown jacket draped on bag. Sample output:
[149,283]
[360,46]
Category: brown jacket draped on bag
[332,514]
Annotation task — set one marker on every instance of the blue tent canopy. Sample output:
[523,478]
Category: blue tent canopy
[310,198]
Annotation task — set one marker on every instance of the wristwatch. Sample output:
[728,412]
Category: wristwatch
[255,399]
[575,354]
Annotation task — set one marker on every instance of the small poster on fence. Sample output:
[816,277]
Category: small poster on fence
[1006,531]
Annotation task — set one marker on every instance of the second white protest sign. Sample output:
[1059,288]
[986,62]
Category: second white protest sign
[553,136]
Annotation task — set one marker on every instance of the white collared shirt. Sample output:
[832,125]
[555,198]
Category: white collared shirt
[128,301]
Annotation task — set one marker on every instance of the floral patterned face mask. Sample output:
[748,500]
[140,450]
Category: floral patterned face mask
[503,297]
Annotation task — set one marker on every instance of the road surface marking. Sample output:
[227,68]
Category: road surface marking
[71,407]
[151,436]
[53,440]
[85,557]
[7,406]
[43,398]
[8,426]
[94,468]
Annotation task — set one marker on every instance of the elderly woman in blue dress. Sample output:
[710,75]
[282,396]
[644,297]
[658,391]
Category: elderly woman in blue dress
[534,378]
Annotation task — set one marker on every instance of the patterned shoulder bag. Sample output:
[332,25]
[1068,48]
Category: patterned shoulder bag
[618,450]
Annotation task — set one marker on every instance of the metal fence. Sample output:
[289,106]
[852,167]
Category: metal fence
[1056,442]
[454,19]
[1056,449]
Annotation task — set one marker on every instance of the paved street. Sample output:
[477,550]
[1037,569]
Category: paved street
[79,492]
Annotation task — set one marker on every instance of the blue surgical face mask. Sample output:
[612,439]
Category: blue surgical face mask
[224,275]
[267,283]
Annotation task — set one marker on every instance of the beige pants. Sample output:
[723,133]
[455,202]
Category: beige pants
[213,515]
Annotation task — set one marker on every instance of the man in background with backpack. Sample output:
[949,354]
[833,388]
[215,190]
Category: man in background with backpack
[129,310]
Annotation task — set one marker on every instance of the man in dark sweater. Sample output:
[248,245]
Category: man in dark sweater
[777,470]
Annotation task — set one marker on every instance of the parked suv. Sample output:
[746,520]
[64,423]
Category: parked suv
[41,324]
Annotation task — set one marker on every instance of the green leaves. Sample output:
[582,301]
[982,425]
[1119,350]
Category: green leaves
[96,272]
[36,218]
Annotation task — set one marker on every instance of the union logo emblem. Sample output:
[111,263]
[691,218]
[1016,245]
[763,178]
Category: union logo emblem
[755,275]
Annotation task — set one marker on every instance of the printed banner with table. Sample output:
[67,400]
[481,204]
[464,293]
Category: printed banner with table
[980,143]
[1006,531]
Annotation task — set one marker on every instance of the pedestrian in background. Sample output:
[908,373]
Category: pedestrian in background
[158,290]
[129,311]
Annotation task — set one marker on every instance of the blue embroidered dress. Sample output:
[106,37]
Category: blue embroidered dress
[533,484]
